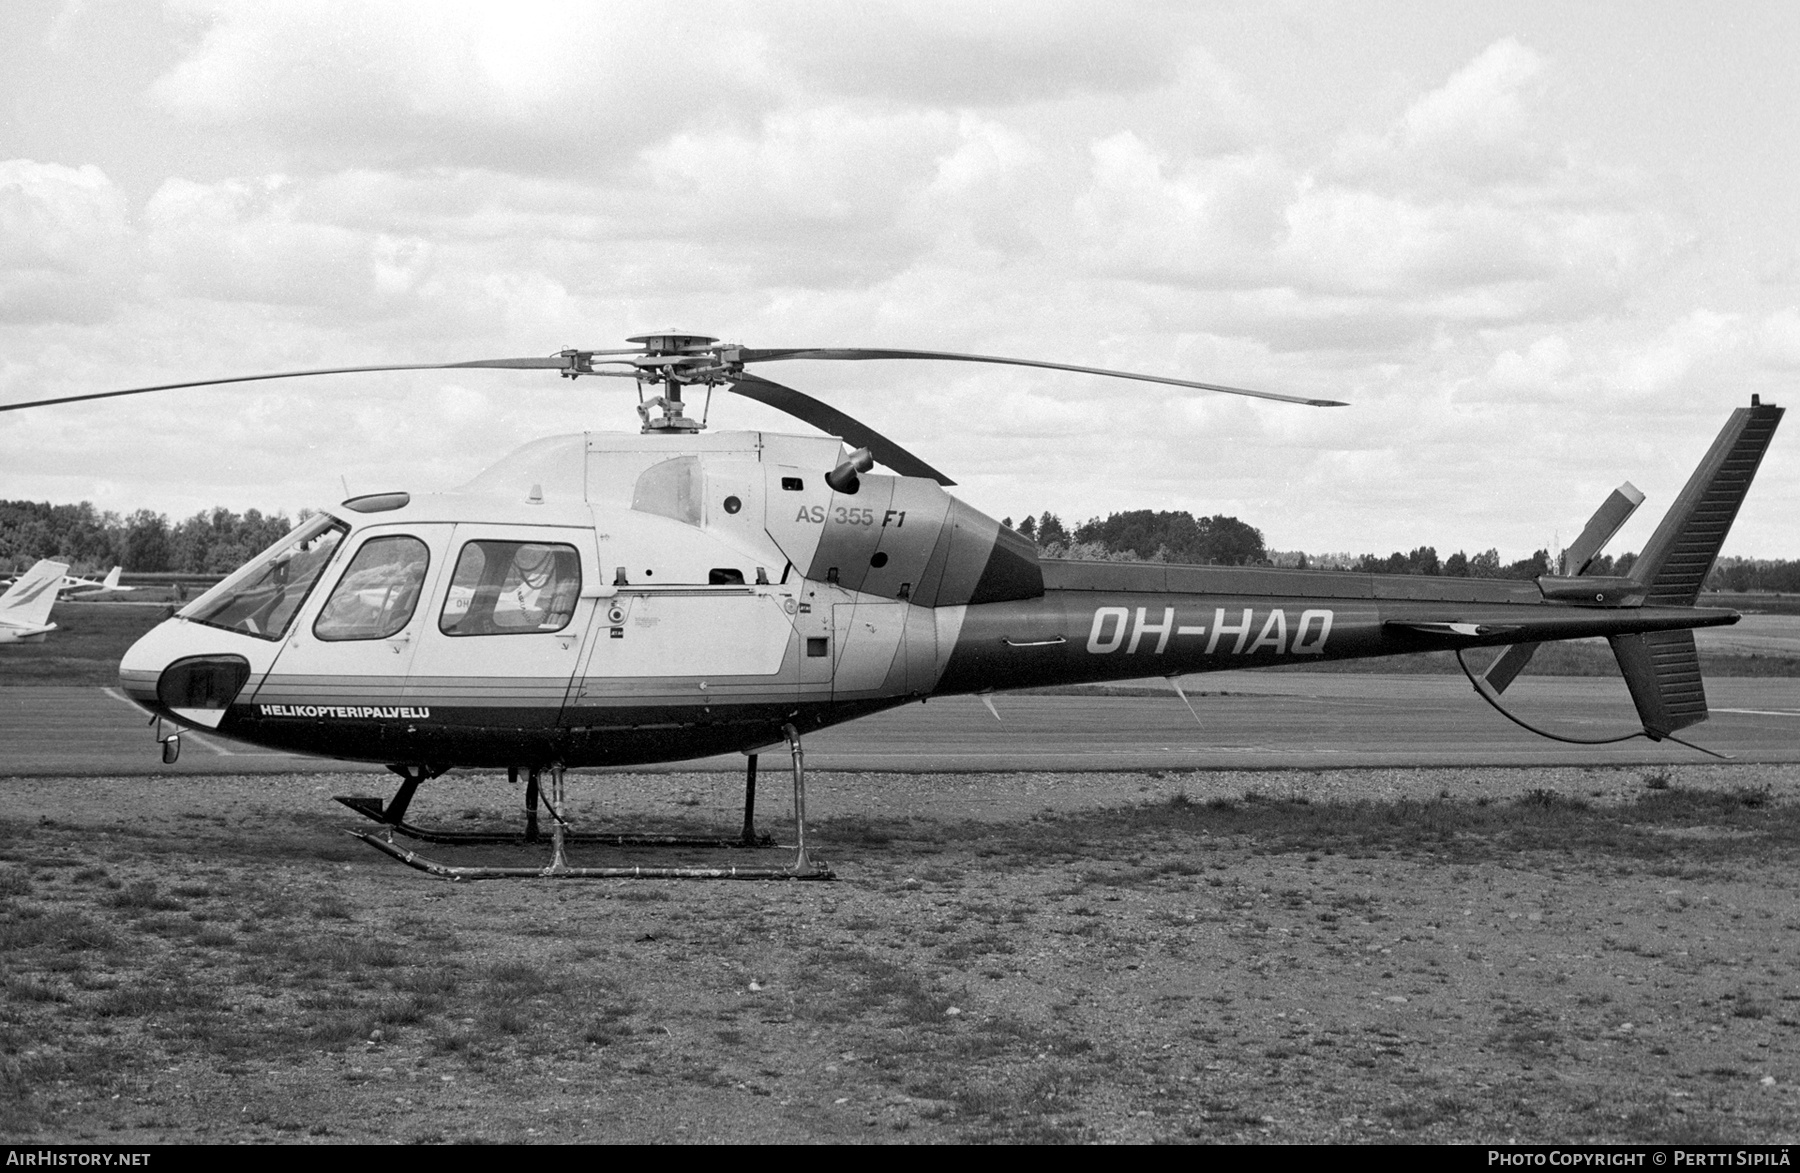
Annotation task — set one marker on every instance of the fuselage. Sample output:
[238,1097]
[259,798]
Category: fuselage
[23,633]
[614,600]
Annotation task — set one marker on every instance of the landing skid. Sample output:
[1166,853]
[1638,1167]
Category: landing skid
[371,807]
[808,871]
[393,817]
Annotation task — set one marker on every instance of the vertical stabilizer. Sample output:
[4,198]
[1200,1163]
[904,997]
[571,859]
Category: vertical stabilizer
[1662,668]
[28,601]
[1681,552]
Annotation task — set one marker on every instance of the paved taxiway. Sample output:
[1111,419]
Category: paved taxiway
[1247,721]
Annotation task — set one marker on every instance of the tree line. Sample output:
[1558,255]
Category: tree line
[1143,535]
[213,541]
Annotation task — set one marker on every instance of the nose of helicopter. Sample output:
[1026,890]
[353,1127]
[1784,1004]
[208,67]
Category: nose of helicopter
[144,661]
[184,670]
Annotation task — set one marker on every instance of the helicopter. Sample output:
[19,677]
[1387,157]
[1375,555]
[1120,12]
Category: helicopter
[607,599]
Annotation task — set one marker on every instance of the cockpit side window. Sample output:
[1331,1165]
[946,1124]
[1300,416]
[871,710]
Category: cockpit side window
[511,588]
[262,597]
[379,591]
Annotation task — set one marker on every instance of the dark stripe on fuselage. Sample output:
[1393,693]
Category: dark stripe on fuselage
[477,737]
[1089,636]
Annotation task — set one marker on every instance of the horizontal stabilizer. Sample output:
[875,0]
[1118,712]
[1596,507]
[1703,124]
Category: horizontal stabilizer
[1465,630]
[1662,669]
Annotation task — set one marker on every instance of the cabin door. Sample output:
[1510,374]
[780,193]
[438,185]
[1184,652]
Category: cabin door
[507,627]
[353,643]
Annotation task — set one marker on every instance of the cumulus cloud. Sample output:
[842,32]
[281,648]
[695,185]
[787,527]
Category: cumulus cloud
[65,244]
[246,240]
[1778,338]
[1685,356]
[1004,52]
[1213,221]
[807,190]
[538,86]
[557,71]
[1534,374]
[1457,211]
[1480,123]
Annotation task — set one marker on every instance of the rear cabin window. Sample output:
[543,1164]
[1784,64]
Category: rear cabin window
[511,588]
[378,594]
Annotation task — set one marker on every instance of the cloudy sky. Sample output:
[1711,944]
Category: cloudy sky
[1541,248]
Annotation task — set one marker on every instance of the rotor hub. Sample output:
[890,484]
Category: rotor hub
[674,342]
[676,360]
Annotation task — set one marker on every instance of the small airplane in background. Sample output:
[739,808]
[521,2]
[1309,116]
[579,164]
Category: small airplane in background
[25,607]
[75,587]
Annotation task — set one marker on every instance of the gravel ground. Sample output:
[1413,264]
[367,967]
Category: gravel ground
[1542,955]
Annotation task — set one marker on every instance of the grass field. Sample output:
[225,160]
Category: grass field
[1751,603]
[85,648]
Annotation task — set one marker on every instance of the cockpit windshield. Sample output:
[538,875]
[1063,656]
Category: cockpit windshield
[262,597]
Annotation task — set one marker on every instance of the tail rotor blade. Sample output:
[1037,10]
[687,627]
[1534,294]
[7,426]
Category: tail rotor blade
[1606,521]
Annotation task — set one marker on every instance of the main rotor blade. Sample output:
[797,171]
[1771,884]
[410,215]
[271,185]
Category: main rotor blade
[554,362]
[855,354]
[829,419]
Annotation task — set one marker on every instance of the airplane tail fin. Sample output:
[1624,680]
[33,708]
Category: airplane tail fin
[1662,669]
[112,580]
[28,601]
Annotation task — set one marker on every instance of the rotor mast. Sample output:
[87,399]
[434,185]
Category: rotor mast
[675,360]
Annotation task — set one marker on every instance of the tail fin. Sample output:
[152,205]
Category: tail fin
[28,601]
[1681,552]
[112,580]
[1662,669]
